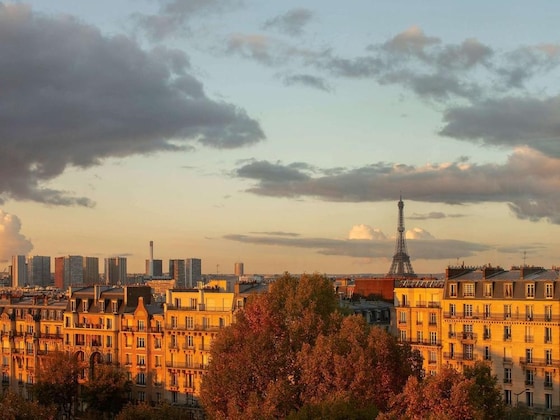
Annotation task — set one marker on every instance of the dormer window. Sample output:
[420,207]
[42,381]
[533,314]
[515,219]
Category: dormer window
[452,289]
[468,289]
[85,305]
[549,290]
[487,289]
[530,290]
[508,290]
[101,306]
[73,305]
[115,306]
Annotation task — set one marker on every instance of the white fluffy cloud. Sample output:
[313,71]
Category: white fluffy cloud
[12,242]
[418,233]
[365,232]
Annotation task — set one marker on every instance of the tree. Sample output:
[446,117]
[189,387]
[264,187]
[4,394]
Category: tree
[144,411]
[57,382]
[291,349]
[106,389]
[450,395]
[15,407]
[252,372]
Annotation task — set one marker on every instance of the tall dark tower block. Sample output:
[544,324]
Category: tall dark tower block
[401,267]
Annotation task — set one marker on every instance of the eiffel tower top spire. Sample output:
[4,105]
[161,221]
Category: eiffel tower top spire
[401,267]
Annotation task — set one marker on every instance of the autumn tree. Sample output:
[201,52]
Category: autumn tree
[15,407]
[450,395]
[57,382]
[106,389]
[144,411]
[291,349]
[252,372]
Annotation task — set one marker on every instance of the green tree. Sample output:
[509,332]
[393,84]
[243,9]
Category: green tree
[488,394]
[57,382]
[105,391]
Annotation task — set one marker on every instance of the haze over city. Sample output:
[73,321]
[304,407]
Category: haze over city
[281,134]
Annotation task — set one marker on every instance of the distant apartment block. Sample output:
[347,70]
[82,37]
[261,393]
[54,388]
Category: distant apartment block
[39,270]
[91,270]
[157,268]
[19,271]
[115,271]
[193,268]
[68,271]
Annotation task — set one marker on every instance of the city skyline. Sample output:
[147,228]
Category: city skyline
[280,135]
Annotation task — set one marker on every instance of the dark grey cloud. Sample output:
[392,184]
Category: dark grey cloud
[429,249]
[291,23]
[175,16]
[527,183]
[307,80]
[74,97]
[433,215]
[277,233]
[511,121]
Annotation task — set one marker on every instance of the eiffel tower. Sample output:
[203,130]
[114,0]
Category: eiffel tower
[401,267]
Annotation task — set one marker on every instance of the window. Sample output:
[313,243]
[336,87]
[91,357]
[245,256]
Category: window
[453,290]
[433,337]
[128,359]
[432,357]
[468,289]
[451,350]
[529,355]
[402,335]
[173,344]
[507,311]
[487,353]
[548,356]
[141,378]
[467,310]
[402,317]
[468,351]
[189,322]
[157,343]
[548,313]
[140,342]
[547,335]
[109,323]
[487,332]
[529,377]
[85,305]
[109,341]
[549,290]
[452,309]
[102,306]
[548,401]
[174,396]
[193,303]
[189,380]
[141,325]
[173,322]
[507,396]
[73,305]
[419,336]
[507,375]
[547,379]
[487,290]
[158,360]
[530,290]
[433,318]
[419,318]
[529,398]
[507,332]
[529,312]
[141,396]
[115,306]
[190,341]
[508,290]
[529,334]
[141,360]
[109,358]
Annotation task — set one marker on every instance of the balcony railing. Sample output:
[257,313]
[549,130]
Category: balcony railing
[460,356]
[500,316]
[535,361]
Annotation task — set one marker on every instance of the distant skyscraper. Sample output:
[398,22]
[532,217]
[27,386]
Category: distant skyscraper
[19,271]
[115,271]
[59,272]
[178,272]
[193,267]
[239,269]
[39,270]
[91,270]
[157,268]
[73,270]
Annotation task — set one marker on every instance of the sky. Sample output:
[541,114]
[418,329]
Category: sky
[281,134]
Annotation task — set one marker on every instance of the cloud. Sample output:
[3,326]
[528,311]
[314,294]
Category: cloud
[433,215]
[365,232]
[12,242]
[511,122]
[74,97]
[527,182]
[174,16]
[277,233]
[418,233]
[291,22]
[307,80]
[429,249]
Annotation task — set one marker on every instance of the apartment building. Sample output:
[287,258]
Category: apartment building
[510,319]
[418,310]
[193,318]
